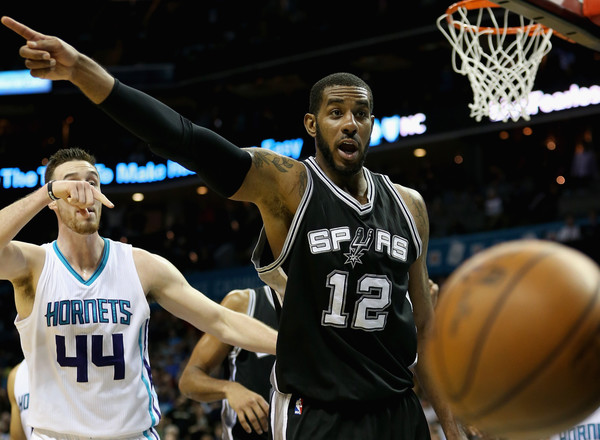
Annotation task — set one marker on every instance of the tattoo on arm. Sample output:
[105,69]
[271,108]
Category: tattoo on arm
[283,164]
[265,157]
[259,158]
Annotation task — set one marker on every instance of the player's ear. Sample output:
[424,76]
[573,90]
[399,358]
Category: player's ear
[53,205]
[310,123]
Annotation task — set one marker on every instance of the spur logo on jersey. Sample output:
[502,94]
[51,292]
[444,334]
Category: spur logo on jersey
[381,241]
[76,311]
[359,245]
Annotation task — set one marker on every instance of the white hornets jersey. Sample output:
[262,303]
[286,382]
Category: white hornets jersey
[86,343]
[21,390]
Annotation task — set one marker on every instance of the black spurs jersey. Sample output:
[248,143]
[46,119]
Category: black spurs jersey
[250,369]
[346,331]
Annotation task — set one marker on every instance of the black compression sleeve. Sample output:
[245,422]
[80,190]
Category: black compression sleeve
[221,164]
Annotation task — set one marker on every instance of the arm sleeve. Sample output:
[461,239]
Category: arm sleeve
[221,164]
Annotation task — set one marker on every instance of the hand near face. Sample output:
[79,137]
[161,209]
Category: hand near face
[80,194]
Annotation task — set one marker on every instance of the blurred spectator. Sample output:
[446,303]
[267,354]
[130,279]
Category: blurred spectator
[584,166]
[494,209]
[570,232]
[171,432]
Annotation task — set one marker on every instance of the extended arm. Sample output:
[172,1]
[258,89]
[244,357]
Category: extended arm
[16,427]
[168,286]
[209,353]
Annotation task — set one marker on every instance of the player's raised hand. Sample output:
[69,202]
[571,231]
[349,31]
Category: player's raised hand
[79,193]
[45,56]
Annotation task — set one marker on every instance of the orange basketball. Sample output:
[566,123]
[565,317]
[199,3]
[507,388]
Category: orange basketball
[515,346]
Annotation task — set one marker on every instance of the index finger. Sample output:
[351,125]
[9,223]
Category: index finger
[99,196]
[21,29]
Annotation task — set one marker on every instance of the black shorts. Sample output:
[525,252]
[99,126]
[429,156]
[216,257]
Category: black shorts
[296,418]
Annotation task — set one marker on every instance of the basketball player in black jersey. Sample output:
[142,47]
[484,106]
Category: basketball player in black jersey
[246,391]
[346,246]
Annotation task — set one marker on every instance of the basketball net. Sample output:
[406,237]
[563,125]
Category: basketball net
[499,55]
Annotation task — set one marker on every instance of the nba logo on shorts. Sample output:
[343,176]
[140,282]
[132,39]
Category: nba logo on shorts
[298,409]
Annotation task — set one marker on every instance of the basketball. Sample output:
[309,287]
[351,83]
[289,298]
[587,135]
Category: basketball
[515,346]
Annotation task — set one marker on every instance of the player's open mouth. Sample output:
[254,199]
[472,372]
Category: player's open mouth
[348,149]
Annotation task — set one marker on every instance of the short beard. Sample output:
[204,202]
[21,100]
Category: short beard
[84,228]
[325,150]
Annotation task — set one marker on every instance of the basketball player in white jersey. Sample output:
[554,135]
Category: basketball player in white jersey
[17,387]
[83,312]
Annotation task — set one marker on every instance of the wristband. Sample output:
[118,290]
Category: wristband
[50,193]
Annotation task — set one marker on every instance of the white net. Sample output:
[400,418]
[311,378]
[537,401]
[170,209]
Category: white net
[499,57]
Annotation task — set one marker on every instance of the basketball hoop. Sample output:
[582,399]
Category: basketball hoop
[499,55]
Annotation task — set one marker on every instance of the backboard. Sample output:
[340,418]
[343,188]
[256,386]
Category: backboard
[564,16]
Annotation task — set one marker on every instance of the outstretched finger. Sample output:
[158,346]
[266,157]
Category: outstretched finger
[22,30]
[99,196]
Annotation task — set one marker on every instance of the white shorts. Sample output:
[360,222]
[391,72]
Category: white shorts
[42,434]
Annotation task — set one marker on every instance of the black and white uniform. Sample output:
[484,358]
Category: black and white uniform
[250,369]
[347,336]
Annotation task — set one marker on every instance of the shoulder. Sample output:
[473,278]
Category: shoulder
[413,199]
[154,270]
[409,194]
[275,183]
[416,204]
[21,259]
[153,261]
[237,300]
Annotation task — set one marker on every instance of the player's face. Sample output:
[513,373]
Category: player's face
[71,216]
[343,128]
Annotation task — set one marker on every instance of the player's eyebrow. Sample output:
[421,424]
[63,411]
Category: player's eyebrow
[335,100]
[90,173]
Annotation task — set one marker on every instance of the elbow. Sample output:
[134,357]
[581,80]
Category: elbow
[184,384]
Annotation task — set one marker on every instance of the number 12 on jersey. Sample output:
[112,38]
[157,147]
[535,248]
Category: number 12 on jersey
[369,312]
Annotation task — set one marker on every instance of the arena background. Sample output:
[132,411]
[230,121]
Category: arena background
[244,69]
